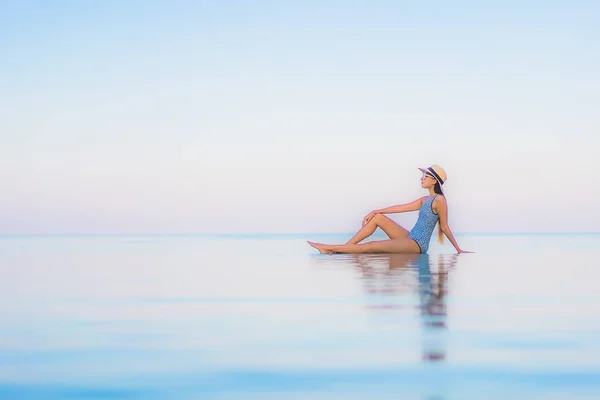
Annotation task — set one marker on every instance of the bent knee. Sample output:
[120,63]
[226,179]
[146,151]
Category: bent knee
[379,217]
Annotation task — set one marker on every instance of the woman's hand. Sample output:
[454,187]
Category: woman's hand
[461,251]
[368,218]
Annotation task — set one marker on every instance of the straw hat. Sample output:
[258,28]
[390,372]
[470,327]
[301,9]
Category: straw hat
[438,172]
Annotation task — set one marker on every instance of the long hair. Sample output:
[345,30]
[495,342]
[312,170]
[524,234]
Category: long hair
[438,189]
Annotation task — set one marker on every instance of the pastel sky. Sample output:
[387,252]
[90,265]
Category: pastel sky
[296,116]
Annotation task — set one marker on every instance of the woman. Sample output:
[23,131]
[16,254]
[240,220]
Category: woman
[432,209]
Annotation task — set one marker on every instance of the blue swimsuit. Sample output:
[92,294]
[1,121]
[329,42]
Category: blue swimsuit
[421,232]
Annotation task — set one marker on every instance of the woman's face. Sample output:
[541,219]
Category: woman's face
[427,180]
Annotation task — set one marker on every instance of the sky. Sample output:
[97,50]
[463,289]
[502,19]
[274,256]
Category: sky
[296,116]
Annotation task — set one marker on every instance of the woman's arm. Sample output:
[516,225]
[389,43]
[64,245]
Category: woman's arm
[442,210]
[413,206]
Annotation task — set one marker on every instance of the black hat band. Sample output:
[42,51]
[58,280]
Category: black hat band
[436,175]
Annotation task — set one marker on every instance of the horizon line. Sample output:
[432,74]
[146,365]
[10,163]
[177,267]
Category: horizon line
[285,233]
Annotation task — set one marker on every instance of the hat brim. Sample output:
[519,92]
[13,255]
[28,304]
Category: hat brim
[429,172]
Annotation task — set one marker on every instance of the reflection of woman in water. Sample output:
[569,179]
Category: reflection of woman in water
[432,289]
[432,294]
[432,209]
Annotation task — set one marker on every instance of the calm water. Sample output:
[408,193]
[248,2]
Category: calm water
[265,317]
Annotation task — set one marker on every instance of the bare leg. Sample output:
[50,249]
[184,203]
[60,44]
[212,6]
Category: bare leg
[392,229]
[319,247]
[406,246]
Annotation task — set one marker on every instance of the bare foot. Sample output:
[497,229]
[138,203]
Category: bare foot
[319,247]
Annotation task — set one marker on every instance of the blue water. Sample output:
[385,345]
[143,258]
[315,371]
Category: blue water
[265,317]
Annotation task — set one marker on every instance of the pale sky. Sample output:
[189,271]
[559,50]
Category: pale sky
[281,116]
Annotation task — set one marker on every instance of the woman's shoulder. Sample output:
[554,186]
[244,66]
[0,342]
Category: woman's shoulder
[439,199]
[439,203]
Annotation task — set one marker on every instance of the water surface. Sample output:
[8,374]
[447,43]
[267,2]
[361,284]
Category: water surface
[264,316]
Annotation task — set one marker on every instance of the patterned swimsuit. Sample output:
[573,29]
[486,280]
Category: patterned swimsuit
[421,232]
